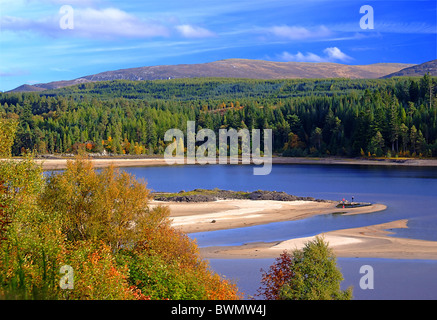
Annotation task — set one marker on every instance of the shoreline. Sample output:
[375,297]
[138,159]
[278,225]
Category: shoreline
[373,241]
[370,241]
[192,217]
[59,164]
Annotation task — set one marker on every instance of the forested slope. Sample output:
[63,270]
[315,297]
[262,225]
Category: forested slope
[309,117]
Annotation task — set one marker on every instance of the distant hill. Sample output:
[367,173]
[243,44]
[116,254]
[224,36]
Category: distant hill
[417,70]
[233,68]
[28,88]
[49,86]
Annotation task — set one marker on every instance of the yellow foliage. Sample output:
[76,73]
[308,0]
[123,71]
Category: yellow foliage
[7,135]
[100,224]
[110,205]
[96,273]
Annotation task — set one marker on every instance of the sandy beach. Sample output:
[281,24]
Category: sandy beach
[227,214]
[57,164]
[366,242]
[371,241]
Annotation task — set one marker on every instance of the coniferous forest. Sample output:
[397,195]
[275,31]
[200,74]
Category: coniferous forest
[309,117]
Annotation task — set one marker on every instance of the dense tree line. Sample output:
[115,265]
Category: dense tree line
[309,117]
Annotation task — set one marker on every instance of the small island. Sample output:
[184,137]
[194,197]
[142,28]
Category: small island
[208,210]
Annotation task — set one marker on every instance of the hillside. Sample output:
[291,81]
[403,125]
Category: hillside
[233,68]
[416,71]
[308,117]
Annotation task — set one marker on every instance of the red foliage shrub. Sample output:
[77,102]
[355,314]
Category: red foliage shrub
[279,273]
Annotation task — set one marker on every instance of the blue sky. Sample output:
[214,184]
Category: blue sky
[36,46]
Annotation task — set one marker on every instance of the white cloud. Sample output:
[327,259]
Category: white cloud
[299,57]
[298,33]
[189,31]
[100,24]
[115,22]
[89,22]
[335,53]
[332,54]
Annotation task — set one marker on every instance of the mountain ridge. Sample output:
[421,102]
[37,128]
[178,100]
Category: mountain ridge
[231,68]
[417,70]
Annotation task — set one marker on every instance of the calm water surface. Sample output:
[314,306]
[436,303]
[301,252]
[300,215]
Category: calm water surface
[409,192]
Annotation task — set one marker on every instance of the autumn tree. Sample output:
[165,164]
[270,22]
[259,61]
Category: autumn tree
[310,273]
[110,205]
[101,224]
[8,128]
[110,211]
[276,277]
[7,135]
[31,242]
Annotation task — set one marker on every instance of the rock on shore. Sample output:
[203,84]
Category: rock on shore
[202,195]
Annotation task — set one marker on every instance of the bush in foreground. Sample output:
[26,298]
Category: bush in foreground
[307,274]
[99,223]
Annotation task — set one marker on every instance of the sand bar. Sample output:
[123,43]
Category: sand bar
[227,214]
[366,242]
[377,241]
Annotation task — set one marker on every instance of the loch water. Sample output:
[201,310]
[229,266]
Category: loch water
[409,193]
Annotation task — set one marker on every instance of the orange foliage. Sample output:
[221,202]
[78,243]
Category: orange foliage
[171,245]
[100,224]
[220,289]
[279,274]
[89,146]
[96,274]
